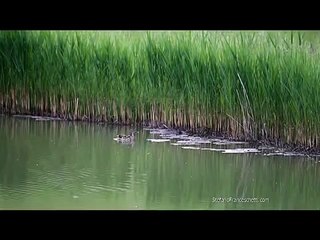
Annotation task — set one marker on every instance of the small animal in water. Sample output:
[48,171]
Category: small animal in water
[125,138]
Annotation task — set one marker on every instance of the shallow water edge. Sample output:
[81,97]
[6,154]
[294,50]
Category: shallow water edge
[265,147]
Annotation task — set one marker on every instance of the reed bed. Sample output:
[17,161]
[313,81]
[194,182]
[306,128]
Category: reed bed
[247,85]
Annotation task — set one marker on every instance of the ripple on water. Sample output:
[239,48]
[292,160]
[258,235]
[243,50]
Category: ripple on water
[100,190]
[85,174]
[22,190]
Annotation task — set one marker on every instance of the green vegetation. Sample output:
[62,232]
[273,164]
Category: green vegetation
[253,85]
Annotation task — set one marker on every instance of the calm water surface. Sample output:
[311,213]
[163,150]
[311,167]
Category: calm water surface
[64,165]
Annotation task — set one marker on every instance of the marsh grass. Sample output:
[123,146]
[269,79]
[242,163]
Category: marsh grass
[248,85]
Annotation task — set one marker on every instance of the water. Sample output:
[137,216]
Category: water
[64,165]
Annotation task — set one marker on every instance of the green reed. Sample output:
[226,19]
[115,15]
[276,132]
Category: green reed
[251,85]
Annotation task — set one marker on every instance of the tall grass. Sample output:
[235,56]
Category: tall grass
[248,85]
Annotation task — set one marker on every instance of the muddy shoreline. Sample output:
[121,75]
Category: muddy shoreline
[265,146]
[234,145]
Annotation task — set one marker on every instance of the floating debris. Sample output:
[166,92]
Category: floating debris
[286,154]
[193,148]
[273,154]
[183,143]
[155,132]
[38,118]
[180,138]
[266,148]
[293,154]
[150,129]
[242,150]
[160,131]
[203,141]
[158,140]
[221,143]
[191,142]
[226,142]
[213,149]
[174,136]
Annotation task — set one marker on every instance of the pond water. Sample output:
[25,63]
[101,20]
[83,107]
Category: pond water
[66,165]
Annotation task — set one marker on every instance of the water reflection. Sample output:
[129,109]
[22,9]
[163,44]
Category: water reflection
[65,165]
